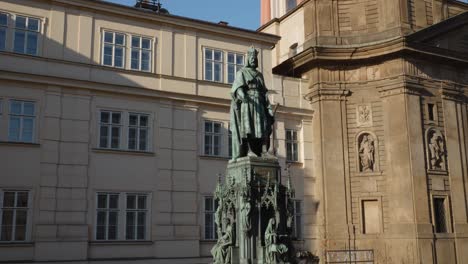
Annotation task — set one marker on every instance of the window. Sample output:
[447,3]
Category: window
[107,216]
[21,126]
[141,53]
[235,62]
[290,4]
[440,215]
[370,216]
[431,112]
[26,35]
[213,65]
[213,138]
[138,132]
[135,218]
[14,215]
[297,221]
[113,49]
[291,145]
[109,131]
[3,30]
[210,226]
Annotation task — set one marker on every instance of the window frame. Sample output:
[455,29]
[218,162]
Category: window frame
[448,213]
[213,62]
[138,128]
[140,52]
[107,210]
[137,211]
[237,67]
[22,116]
[28,209]
[113,44]
[121,227]
[110,125]
[27,31]
[211,213]
[213,134]
[294,143]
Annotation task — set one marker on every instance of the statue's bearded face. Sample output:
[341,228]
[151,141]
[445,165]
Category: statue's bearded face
[253,61]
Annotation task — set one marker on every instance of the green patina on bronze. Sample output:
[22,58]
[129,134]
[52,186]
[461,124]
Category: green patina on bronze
[251,111]
[254,217]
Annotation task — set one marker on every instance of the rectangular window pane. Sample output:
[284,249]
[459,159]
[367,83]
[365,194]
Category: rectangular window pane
[3,19]
[240,59]
[9,199]
[114,201]
[440,215]
[105,117]
[18,45]
[7,225]
[119,39]
[208,71]
[116,118]
[28,130]
[141,202]
[28,108]
[20,22]
[217,72]
[131,201]
[102,201]
[22,199]
[118,59]
[218,56]
[146,43]
[104,135]
[208,54]
[143,121]
[135,59]
[136,42]
[145,60]
[31,47]
[2,39]
[115,138]
[143,141]
[132,140]
[108,37]
[14,129]
[33,24]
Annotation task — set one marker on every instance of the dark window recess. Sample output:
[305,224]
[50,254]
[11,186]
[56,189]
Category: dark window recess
[440,215]
[430,110]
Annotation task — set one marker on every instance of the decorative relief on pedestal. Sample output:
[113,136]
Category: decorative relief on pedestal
[367,152]
[364,115]
[436,151]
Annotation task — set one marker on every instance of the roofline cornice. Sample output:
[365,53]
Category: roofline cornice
[339,55]
[171,20]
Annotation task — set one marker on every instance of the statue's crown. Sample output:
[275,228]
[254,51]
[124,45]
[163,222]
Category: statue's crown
[252,51]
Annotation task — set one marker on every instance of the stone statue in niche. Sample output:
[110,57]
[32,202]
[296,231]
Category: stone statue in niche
[273,249]
[222,250]
[364,115]
[436,147]
[366,153]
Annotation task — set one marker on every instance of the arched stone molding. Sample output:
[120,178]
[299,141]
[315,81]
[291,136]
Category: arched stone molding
[367,152]
[436,151]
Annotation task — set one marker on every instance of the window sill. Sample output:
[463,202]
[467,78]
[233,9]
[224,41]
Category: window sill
[16,244]
[367,174]
[122,151]
[208,241]
[223,84]
[121,242]
[294,163]
[444,235]
[214,157]
[20,144]
[437,172]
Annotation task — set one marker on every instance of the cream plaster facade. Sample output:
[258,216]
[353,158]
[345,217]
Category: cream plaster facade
[388,87]
[63,167]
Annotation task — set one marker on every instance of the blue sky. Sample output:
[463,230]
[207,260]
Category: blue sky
[239,13]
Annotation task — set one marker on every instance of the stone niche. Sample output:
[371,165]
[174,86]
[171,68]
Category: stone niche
[436,151]
[367,152]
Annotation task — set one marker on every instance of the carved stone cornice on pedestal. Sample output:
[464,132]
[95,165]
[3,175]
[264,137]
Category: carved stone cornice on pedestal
[402,84]
[327,95]
[452,91]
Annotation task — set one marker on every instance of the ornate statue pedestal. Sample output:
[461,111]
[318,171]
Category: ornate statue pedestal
[257,210]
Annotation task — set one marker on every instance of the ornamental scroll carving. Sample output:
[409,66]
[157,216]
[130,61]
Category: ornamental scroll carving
[436,150]
[367,149]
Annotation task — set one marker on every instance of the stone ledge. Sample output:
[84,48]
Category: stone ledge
[122,151]
[19,144]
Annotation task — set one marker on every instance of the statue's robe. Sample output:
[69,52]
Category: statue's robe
[250,119]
